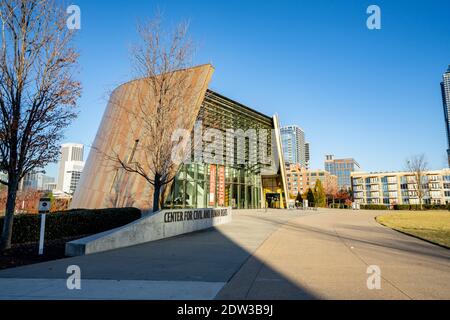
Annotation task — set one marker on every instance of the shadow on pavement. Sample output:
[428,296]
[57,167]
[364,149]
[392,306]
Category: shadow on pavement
[207,256]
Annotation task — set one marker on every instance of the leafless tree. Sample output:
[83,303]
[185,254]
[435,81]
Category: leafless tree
[38,92]
[418,165]
[161,99]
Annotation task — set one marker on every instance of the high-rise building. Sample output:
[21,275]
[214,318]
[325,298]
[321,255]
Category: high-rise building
[3,176]
[342,168]
[307,155]
[293,141]
[36,181]
[70,167]
[445,88]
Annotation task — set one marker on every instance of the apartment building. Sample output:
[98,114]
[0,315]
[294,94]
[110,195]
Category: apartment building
[391,188]
[299,179]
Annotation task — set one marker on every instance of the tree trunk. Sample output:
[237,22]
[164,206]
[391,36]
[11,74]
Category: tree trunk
[156,193]
[5,241]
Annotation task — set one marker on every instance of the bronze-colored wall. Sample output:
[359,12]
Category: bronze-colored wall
[119,131]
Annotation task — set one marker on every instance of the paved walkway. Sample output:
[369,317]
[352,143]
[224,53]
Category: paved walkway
[260,255]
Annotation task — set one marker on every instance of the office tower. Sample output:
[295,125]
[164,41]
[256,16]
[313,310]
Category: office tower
[3,176]
[445,89]
[307,155]
[70,167]
[342,168]
[36,181]
[293,141]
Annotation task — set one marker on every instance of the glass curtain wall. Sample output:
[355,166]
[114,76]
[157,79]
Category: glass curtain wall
[242,188]
[191,188]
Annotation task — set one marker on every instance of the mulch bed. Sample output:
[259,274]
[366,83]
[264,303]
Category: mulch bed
[27,253]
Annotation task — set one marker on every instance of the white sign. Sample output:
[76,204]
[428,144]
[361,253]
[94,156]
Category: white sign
[44,205]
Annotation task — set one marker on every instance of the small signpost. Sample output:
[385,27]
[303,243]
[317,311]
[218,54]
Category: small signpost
[305,203]
[44,208]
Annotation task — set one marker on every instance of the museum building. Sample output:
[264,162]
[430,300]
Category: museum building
[245,182]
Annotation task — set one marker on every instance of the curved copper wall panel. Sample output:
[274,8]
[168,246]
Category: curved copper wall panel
[117,130]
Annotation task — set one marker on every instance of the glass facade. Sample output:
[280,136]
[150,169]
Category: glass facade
[293,142]
[342,168]
[235,183]
[192,188]
[445,89]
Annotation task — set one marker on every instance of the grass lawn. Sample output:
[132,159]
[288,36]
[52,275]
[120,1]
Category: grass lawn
[433,226]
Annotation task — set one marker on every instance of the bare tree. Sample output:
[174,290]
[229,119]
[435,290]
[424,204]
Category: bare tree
[37,91]
[418,165]
[161,98]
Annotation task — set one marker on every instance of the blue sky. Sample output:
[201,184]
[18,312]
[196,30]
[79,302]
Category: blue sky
[369,94]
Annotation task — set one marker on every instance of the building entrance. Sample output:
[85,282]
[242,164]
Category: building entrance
[273,200]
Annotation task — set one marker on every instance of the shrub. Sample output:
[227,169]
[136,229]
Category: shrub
[73,223]
[415,207]
[339,206]
[374,207]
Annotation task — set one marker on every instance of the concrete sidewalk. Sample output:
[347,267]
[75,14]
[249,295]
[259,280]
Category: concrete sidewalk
[260,255]
[326,256]
[200,262]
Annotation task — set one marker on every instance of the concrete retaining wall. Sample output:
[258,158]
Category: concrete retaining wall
[163,224]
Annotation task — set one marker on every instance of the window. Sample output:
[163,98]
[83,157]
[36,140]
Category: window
[435,194]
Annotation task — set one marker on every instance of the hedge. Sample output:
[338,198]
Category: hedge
[339,206]
[425,206]
[73,223]
[406,207]
[374,207]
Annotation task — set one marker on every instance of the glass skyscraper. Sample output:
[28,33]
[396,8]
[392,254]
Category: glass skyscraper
[293,140]
[445,88]
[342,168]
